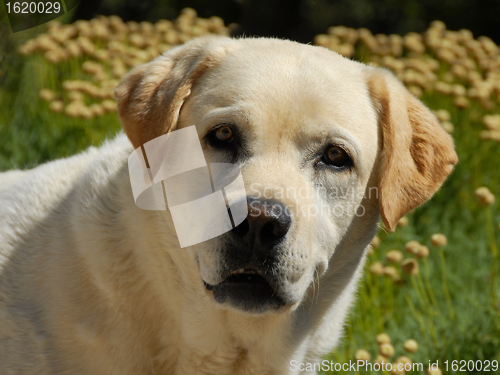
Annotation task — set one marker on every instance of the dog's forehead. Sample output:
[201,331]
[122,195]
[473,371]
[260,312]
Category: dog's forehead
[286,88]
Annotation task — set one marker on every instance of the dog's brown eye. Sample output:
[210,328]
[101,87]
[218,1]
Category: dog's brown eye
[224,134]
[336,156]
[224,137]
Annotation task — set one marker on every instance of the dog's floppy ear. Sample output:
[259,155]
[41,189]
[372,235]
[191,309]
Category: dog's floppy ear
[417,154]
[150,97]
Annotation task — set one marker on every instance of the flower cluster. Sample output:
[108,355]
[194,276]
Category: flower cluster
[451,63]
[386,351]
[105,48]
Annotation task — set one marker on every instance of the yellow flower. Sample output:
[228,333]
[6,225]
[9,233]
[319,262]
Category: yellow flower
[403,222]
[394,370]
[377,268]
[381,359]
[392,273]
[47,95]
[484,196]
[404,360]
[394,256]
[75,96]
[56,106]
[410,266]
[437,371]
[375,242]
[448,127]
[412,247]
[386,350]
[493,135]
[362,355]
[492,122]
[422,252]
[442,115]
[410,346]
[461,102]
[109,105]
[383,338]
[438,239]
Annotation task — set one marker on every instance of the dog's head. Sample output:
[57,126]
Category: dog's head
[324,144]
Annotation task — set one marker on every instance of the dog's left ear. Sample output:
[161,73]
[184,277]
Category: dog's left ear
[150,97]
[417,154]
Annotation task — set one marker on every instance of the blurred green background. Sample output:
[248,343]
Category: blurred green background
[302,19]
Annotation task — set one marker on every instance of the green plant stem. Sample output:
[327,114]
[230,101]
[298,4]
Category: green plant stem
[428,285]
[494,252]
[426,307]
[418,317]
[425,294]
[444,282]
[421,299]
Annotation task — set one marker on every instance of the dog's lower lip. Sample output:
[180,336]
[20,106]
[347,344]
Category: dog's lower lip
[247,289]
[239,273]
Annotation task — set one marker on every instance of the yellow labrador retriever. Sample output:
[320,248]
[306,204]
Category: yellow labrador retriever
[92,284]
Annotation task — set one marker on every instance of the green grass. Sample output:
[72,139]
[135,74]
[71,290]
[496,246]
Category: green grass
[30,134]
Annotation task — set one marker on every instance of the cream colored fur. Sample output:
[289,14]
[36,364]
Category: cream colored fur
[91,284]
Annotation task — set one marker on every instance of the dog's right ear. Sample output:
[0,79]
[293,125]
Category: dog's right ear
[417,154]
[150,97]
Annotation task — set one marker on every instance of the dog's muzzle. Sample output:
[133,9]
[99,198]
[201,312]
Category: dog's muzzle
[251,278]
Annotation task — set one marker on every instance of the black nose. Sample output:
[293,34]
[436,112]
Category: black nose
[268,221]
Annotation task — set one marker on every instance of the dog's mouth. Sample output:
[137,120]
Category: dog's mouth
[244,276]
[247,289]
